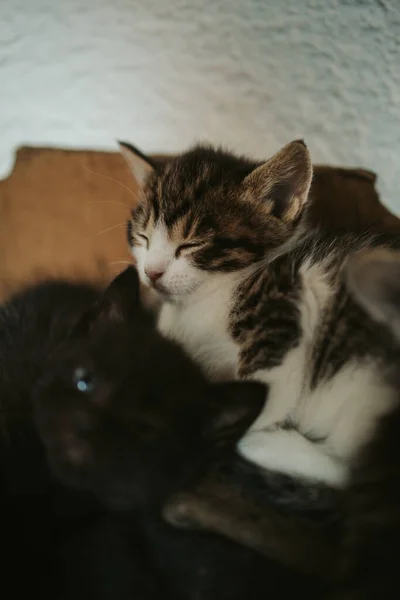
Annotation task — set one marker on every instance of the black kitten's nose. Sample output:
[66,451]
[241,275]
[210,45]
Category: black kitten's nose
[154,275]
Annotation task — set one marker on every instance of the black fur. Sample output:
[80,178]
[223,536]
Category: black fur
[102,420]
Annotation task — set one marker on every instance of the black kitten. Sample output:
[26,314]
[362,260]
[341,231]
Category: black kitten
[126,416]
[57,543]
[123,414]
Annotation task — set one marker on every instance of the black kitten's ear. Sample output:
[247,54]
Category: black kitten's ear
[283,182]
[373,279]
[118,304]
[236,406]
[140,165]
[122,297]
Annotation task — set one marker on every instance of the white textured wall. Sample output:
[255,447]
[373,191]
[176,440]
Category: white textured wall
[252,74]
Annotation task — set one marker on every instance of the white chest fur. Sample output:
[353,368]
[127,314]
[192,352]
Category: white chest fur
[200,325]
[341,413]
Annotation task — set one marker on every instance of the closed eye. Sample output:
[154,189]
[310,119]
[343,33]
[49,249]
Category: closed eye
[144,238]
[187,247]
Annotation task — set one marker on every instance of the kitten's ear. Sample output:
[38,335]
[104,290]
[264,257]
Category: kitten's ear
[140,165]
[119,303]
[283,182]
[236,406]
[374,281]
[121,298]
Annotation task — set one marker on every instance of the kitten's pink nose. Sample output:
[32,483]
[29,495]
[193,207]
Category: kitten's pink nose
[153,275]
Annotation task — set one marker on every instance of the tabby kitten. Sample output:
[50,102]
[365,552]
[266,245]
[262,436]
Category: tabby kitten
[361,560]
[251,292]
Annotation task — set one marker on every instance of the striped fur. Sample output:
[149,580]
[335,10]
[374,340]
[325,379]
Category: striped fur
[251,293]
[355,552]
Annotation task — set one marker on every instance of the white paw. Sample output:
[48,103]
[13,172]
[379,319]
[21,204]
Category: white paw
[287,451]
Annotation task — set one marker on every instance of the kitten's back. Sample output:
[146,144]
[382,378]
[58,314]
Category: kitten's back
[372,543]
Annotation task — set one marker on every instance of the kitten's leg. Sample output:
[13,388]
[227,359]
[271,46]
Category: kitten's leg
[307,547]
[287,451]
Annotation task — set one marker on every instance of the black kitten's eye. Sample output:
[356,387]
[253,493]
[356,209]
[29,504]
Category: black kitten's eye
[83,380]
[143,237]
[184,247]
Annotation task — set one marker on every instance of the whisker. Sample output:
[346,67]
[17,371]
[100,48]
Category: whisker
[125,187]
[111,228]
[108,202]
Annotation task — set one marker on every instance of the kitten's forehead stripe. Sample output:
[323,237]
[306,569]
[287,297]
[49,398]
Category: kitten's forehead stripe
[180,230]
[200,196]
[146,217]
[181,211]
[189,226]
